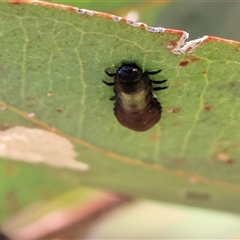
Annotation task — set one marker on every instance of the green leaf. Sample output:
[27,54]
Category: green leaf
[52,65]
[201,18]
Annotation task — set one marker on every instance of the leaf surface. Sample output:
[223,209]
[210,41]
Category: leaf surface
[52,65]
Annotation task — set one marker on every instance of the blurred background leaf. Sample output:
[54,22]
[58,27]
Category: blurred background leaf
[199,18]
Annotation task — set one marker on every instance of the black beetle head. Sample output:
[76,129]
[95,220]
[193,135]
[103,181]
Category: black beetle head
[129,73]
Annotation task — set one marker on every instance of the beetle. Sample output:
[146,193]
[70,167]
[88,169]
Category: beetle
[136,107]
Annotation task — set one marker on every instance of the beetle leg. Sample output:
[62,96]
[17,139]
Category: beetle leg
[159,88]
[110,74]
[108,83]
[154,72]
[158,81]
[112,98]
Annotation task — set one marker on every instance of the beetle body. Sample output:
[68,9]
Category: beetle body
[136,107]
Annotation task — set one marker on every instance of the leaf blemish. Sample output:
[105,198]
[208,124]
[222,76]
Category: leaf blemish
[31,115]
[224,158]
[39,146]
[207,108]
[50,94]
[154,137]
[2,108]
[185,63]
[173,110]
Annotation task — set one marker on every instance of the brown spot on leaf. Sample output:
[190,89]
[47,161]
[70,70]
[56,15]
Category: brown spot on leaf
[185,63]
[173,110]
[223,157]
[154,137]
[204,72]
[59,110]
[207,108]
[172,44]
[222,150]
